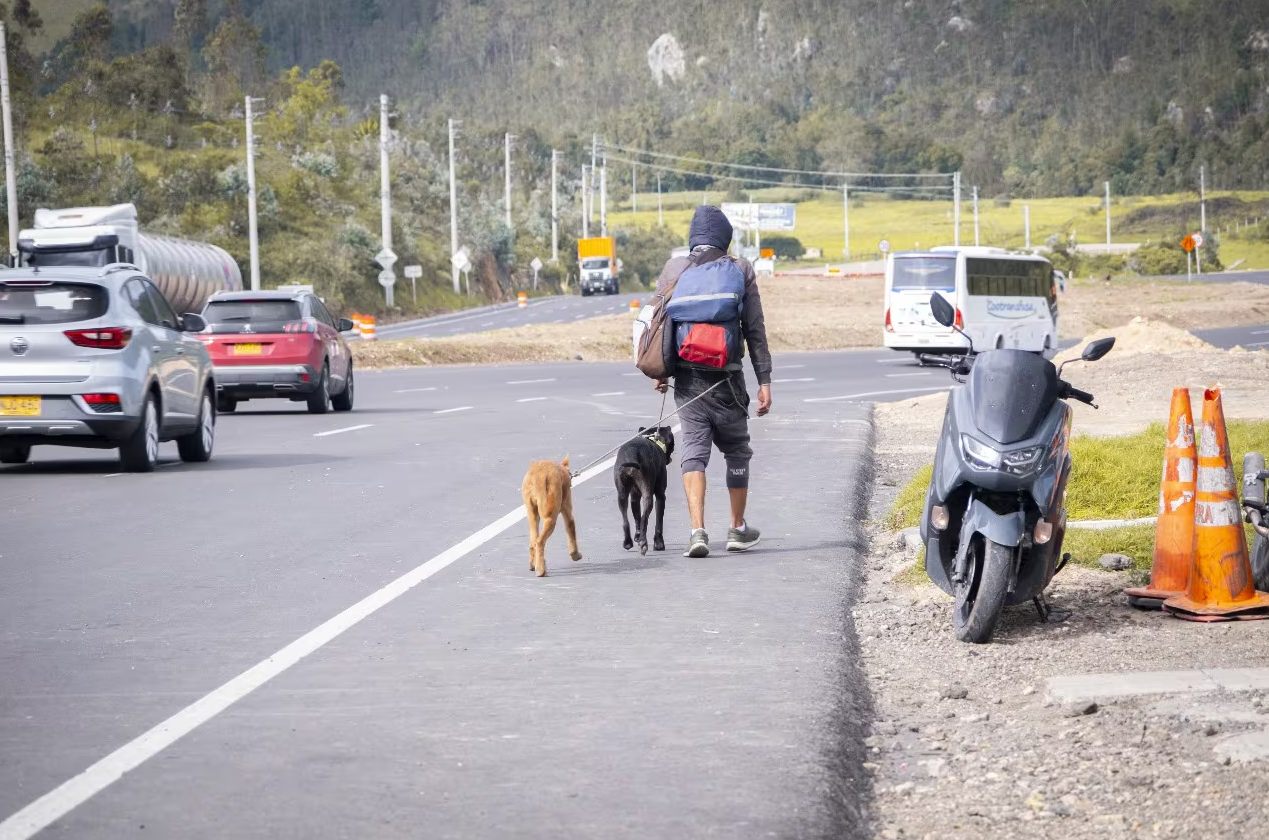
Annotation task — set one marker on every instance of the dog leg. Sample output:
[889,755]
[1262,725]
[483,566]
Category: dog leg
[531,512]
[570,526]
[658,538]
[623,498]
[548,528]
[635,508]
[645,513]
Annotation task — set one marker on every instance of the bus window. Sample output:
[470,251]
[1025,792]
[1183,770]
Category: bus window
[924,274]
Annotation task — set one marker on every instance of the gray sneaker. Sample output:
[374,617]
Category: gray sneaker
[738,540]
[698,546]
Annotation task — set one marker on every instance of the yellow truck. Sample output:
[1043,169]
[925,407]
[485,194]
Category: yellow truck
[598,264]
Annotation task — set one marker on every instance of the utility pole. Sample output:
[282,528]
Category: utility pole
[585,206]
[507,143]
[1203,199]
[453,212]
[385,197]
[594,167]
[660,212]
[976,243]
[603,198]
[846,217]
[1026,223]
[10,160]
[1108,212]
[555,207]
[252,236]
[956,208]
[634,194]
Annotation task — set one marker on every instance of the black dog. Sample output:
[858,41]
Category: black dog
[640,475]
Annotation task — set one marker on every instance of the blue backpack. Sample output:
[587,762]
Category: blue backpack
[706,307]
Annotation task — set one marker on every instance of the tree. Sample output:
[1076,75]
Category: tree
[189,22]
[235,59]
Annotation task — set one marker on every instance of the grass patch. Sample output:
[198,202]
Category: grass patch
[922,224]
[908,505]
[1113,478]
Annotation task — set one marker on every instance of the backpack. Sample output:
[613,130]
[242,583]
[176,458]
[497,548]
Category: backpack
[705,309]
[653,342]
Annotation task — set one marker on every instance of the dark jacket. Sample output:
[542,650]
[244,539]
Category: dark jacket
[752,324]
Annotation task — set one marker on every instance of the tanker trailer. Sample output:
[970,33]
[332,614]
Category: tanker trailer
[186,272]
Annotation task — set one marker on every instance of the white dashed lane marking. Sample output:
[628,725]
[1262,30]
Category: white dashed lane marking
[341,431]
[452,410]
[529,381]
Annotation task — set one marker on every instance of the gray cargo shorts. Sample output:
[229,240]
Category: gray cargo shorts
[720,418]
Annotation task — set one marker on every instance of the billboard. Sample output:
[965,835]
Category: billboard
[778,217]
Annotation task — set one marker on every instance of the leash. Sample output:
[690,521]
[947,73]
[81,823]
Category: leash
[660,420]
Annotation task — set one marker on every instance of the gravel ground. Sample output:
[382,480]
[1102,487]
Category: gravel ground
[967,744]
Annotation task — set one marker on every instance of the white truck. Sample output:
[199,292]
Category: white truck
[186,272]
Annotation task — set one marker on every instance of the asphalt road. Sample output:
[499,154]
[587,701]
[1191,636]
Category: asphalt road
[1228,277]
[559,309]
[206,626]
[622,696]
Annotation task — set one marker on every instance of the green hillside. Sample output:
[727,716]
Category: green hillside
[141,100]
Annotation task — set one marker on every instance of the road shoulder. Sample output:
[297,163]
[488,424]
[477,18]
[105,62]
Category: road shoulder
[969,741]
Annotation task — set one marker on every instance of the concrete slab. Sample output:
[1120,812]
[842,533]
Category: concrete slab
[1245,746]
[1081,687]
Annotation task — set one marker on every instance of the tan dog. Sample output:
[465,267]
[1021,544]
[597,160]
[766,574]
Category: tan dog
[548,493]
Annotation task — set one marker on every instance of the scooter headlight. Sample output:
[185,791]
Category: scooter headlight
[1022,461]
[980,454]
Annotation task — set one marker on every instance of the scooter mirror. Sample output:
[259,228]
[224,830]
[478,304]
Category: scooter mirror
[943,311]
[1096,349]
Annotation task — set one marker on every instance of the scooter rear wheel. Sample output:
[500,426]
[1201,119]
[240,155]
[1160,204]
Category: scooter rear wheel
[980,599]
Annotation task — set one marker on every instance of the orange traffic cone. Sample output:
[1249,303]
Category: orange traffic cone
[1220,586]
[1174,533]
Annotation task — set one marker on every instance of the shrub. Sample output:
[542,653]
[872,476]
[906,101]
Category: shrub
[785,247]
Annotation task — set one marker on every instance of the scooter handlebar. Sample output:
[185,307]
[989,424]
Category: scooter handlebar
[1076,394]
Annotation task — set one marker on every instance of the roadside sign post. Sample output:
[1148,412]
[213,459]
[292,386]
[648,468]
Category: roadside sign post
[461,263]
[1189,243]
[536,265]
[1198,253]
[387,278]
[884,247]
[414,272]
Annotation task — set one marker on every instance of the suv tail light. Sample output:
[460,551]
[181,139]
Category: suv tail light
[308,325]
[102,338]
[103,403]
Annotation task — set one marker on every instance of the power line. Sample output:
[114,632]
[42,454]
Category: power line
[752,168]
[747,179]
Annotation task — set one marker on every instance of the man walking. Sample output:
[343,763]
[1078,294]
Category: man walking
[721,417]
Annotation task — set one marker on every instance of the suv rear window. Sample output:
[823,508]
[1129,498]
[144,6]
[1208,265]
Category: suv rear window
[236,316]
[51,303]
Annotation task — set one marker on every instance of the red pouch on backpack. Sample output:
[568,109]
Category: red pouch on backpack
[705,344]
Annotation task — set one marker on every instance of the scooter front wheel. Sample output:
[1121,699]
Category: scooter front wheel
[981,597]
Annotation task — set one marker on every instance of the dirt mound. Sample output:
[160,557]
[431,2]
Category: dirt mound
[1141,336]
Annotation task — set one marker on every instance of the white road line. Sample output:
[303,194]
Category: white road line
[898,375]
[452,410]
[113,475]
[74,792]
[610,394]
[803,379]
[874,394]
[791,367]
[529,381]
[531,399]
[341,431]
[488,324]
[579,317]
[636,373]
[1256,344]
[413,390]
[896,361]
[1260,332]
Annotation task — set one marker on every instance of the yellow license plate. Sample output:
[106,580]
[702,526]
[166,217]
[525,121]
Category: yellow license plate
[248,349]
[20,406]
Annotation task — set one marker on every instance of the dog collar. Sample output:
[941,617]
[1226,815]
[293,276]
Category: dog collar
[660,444]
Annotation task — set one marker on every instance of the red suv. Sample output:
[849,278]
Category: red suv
[278,344]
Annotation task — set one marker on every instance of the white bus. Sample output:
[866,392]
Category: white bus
[1001,299]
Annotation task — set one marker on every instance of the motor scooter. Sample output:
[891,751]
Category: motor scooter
[995,512]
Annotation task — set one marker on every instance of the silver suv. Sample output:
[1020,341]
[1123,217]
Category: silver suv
[95,357]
